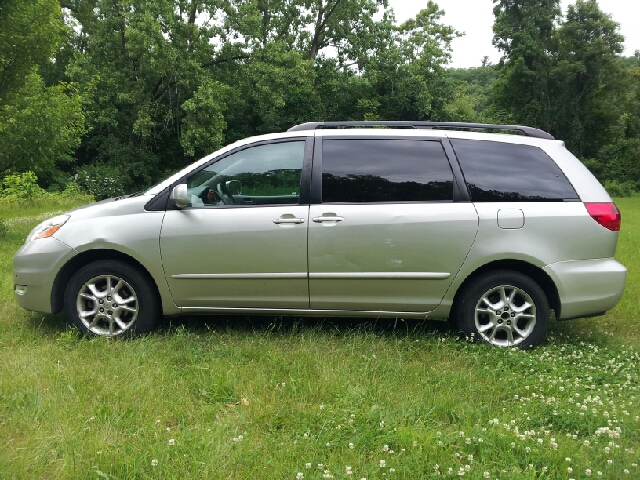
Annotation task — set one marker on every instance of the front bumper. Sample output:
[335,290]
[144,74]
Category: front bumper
[588,287]
[35,267]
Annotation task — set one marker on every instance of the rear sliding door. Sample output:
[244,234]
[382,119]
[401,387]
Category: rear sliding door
[385,233]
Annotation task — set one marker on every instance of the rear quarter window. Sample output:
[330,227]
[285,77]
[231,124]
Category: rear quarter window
[503,172]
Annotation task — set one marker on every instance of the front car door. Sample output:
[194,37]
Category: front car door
[242,241]
[385,233]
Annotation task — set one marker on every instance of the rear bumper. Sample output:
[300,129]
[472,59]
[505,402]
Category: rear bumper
[588,287]
[35,267]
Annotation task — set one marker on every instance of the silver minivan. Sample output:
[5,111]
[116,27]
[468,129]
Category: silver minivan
[405,220]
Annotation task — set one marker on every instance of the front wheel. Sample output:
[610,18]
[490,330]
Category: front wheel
[111,298]
[504,309]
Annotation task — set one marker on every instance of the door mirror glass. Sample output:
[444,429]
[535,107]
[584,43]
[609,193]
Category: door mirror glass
[234,187]
[179,196]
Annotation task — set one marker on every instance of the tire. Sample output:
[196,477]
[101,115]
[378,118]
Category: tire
[113,299]
[482,316]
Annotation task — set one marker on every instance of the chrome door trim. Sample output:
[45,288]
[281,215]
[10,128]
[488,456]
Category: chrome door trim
[305,312]
[382,275]
[238,276]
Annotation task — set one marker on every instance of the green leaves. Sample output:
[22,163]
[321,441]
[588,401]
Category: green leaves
[41,128]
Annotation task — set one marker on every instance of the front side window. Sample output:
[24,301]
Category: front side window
[382,171]
[262,175]
[504,172]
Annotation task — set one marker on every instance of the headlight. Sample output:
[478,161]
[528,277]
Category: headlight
[47,228]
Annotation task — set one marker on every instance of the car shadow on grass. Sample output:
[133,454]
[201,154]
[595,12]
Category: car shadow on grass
[56,325]
[199,324]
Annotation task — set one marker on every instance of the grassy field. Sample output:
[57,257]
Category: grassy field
[278,398]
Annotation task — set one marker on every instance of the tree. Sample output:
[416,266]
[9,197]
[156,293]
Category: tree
[40,129]
[585,78]
[40,126]
[29,33]
[523,31]
[406,74]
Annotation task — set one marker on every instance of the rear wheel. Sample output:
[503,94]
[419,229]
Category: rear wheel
[504,309]
[111,298]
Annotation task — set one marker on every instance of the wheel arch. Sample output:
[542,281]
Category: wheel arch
[84,258]
[535,273]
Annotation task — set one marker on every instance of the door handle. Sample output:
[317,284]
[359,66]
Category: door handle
[328,219]
[295,221]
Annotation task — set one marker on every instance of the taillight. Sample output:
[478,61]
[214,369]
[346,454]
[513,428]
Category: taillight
[606,214]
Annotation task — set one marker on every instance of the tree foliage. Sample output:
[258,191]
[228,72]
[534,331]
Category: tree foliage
[40,125]
[131,89]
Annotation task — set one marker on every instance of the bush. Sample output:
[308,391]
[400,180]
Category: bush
[621,189]
[101,181]
[23,186]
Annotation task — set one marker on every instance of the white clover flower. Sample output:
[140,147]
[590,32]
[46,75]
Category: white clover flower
[154,463]
[351,446]
[385,448]
[383,463]
[299,476]
[172,441]
[569,469]
[307,465]
[486,475]
[588,472]
[391,470]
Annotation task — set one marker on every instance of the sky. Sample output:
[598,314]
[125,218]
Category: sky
[475,19]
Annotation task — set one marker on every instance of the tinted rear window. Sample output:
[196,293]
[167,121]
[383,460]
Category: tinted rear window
[503,172]
[356,171]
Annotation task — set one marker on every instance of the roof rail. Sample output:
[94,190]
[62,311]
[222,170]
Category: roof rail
[528,131]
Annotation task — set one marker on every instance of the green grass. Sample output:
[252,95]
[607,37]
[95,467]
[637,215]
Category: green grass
[254,398]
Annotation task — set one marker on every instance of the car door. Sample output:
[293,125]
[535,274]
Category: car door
[385,233]
[242,241]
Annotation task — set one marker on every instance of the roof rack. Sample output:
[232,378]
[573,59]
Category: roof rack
[528,131]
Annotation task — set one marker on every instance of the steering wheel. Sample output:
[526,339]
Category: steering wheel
[210,197]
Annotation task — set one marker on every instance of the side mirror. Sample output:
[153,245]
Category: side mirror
[180,196]
[234,187]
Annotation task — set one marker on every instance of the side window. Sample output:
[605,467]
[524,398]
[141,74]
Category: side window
[262,175]
[504,172]
[359,171]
